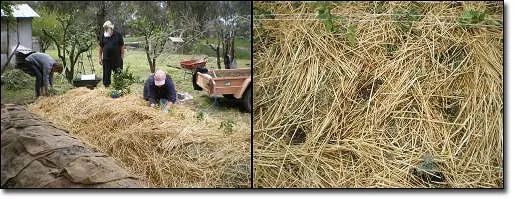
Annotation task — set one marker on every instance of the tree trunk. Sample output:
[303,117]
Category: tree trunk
[219,40]
[232,61]
[101,14]
[218,61]
[229,53]
[69,74]
[153,66]
[217,51]
[147,52]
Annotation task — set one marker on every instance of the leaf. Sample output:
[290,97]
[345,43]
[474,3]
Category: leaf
[470,18]
[351,34]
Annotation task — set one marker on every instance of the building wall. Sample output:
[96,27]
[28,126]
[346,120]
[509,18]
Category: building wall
[25,29]
[21,25]
[4,47]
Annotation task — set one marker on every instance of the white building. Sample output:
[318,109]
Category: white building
[19,29]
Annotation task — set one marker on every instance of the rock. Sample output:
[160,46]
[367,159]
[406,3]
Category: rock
[36,154]
[428,171]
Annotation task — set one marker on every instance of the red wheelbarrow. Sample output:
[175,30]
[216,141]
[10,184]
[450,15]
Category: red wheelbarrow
[192,65]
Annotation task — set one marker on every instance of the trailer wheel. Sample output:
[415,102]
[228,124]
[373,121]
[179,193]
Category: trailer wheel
[247,99]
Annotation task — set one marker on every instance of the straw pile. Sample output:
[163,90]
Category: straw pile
[176,149]
[420,106]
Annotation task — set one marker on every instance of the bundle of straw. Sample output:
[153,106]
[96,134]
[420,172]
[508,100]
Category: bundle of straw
[382,109]
[175,149]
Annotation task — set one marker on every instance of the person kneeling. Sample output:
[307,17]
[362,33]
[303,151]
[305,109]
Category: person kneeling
[159,87]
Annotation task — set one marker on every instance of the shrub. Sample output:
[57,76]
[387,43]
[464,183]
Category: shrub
[227,126]
[121,82]
[16,79]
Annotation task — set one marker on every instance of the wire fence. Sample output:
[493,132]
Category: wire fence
[363,15]
[369,17]
[393,21]
[375,18]
[350,2]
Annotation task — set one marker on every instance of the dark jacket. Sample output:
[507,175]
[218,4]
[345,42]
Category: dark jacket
[111,49]
[153,93]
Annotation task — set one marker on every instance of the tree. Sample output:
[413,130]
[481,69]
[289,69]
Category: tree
[71,39]
[7,8]
[151,20]
[155,35]
[47,20]
[228,17]
[191,18]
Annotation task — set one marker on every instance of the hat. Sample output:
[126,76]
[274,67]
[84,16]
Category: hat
[108,24]
[159,78]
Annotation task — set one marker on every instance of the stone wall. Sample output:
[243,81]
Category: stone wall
[37,154]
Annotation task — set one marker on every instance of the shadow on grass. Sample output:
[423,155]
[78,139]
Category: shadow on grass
[218,103]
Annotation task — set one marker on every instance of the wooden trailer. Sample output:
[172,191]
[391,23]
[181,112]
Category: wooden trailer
[231,83]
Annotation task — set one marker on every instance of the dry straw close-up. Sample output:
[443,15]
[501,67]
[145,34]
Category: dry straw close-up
[182,148]
[378,94]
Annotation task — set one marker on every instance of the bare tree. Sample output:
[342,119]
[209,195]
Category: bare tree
[71,40]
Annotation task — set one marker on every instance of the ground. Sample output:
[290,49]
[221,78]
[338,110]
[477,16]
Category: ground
[136,60]
[224,127]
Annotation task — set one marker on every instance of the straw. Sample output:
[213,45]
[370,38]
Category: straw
[330,113]
[169,150]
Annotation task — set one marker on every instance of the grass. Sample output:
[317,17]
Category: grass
[22,96]
[137,61]
[242,47]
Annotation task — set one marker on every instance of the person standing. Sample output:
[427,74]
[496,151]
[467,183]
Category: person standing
[111,52]
[42,66]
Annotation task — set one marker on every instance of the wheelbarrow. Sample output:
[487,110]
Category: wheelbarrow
[88,81]
[192,65]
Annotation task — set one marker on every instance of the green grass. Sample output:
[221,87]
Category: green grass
[132,39]
[137,61]
[27,94]
[242,48]
[21,96]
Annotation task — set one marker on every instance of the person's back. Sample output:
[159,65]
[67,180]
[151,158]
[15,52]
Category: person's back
[42,67]
[42,60]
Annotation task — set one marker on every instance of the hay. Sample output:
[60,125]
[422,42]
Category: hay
[396,108]
[177,149]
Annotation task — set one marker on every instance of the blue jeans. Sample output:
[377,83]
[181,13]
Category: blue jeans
[162,102]
[39,77]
